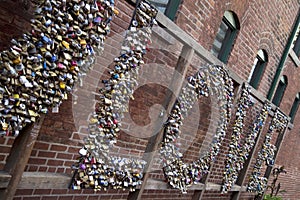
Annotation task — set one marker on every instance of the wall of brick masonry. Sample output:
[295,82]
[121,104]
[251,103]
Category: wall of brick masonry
[264,25]
[14,20]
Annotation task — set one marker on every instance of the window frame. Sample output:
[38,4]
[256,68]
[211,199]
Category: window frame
[258,68]
[296,42]
[230,36]
[294,108]
[280,90]
[296,47]
[171,8]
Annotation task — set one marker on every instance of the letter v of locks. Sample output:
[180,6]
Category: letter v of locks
[96,169]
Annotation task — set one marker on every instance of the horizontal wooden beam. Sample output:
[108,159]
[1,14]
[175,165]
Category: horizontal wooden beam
[153,184]
[45,180]
[37,180]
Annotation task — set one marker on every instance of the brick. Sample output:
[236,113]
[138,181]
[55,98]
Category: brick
[43,169]
[46,154]
[60,170]
[32,168]
[81,197]
[38,161]
[59,191]
[10,141]
[42,191]
[49,198]
[58,148]
[55,162]
[65,198]
[40,145]
[2,157]
[5,149]
[51,169]
[75,191]
[22,192]
[96,197]
[32,198]
[64,156]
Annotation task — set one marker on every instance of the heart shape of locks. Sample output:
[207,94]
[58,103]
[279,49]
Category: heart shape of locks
[41,68]
[209,80]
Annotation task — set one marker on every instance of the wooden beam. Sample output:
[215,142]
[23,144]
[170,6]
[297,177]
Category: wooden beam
[174,90]
[19,156]
[46,180]
[153,184]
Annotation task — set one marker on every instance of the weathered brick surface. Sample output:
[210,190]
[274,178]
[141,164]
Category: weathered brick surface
[264,25]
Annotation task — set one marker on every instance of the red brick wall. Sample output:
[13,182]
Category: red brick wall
[61,135]
[14,20]
[259,30]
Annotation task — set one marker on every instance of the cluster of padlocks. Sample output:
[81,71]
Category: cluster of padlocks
[209,80]
[40,68]
[233,160]
[258,183]
[95,168]
[239,154]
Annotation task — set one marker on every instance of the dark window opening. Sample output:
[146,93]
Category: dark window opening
[297,46]
[225,37]
[259,68]
[294,107]
[280,91]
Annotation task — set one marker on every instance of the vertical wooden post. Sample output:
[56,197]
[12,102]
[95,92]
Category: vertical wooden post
[19,156]
[181,67]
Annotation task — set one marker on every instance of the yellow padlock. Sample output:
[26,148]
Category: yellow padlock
[66,44]
[83,42]
[72,68]
[62,85]
[4,126]
[17,60]
[116,12]
[16,96]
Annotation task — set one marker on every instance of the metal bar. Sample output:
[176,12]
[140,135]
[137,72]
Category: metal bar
[19,156]
[180,70]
